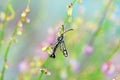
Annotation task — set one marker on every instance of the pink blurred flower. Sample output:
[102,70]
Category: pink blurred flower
[39,53]
[23,66]
[59,26]
[108,68]
[52,33]
[88,49]
[51,36]
[118,68]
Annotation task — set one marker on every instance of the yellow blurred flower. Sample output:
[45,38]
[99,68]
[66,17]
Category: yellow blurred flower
[79,21]
[14,40]
[91,26]
[27,10]
[34,70]
[23,14]
[20,28]
[47,49]
[32,64]
[8,18]
[79,1]
[19,32]
[27,77]
[2,16]
[69,10]
[70,20]
[39,63]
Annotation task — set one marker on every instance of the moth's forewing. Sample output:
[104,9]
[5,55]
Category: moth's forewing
[54,49]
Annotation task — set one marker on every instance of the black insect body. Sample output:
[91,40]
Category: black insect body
[61,43]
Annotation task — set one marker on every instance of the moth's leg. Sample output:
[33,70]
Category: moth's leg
[61,49]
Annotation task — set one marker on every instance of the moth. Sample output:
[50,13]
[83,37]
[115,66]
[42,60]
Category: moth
[60,43]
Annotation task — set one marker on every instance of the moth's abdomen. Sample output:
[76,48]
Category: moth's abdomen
[65,53]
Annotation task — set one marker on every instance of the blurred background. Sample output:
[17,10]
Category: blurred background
[96,36]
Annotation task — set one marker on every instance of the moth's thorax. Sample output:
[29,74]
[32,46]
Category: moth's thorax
[60,38]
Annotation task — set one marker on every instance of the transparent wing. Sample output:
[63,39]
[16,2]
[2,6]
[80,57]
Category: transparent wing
[63,49]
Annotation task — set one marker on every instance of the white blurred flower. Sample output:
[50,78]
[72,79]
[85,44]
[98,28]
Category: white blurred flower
[75,65]
[63,74]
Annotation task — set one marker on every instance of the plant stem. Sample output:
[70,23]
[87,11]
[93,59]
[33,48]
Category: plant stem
[8,9]
[93,37]
[67,17]
[6,53]
[47,60]
[45,65]
[40,76]
[114,52]
[100,23]
[3,26]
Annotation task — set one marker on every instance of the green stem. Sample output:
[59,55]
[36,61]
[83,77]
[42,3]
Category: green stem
[111,56]
[45,65]
[98,66]
[40,76]
[93,37]
[47,60]
[9,8]
[114,52]
[5,60]
[6,54]
[67,17]
[100,23]
[28,2]
[11,40]
[3,26]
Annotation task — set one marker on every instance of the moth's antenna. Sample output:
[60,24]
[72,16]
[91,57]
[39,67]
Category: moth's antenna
[67,31]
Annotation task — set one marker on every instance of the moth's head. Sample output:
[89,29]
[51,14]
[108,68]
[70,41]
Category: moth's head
[60,38]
